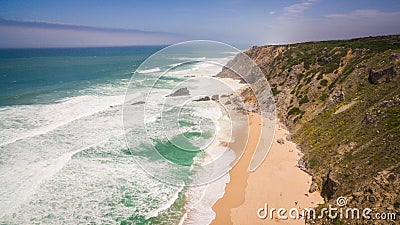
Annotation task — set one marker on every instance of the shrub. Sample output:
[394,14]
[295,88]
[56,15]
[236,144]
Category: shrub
[304,100]
[313,162]
[294,111]
[300,76]
[275,91]
[323,96]
[324,82]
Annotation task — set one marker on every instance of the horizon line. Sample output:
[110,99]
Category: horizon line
[165,45]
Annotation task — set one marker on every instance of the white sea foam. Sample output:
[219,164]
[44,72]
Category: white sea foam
[41,173]
[201,199]
[205,67]
[176,64]
[166,206]
[33,120]
[190,59]
[46,142]
[34,175]
[153,70]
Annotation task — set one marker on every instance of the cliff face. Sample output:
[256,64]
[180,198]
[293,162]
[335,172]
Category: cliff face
[341,100]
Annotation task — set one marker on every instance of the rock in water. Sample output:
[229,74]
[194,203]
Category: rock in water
[215,97]
[203,99]
[179,92]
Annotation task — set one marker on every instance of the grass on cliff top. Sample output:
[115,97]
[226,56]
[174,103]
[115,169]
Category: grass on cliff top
[307,52]
[375,44]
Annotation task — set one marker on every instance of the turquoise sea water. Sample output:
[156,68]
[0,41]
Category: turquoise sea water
[30,76]
[63,156]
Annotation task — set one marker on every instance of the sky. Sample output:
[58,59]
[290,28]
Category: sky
[89,23]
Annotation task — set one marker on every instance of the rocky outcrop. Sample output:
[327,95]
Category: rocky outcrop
[288,137]
[179,92]
[208,98]
[337,97]
[203,99]
[394,56]
[381,76]
[329,187]
[324,60]
[313,187]
[376,113]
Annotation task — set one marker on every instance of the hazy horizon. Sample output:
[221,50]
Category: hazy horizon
[240,46]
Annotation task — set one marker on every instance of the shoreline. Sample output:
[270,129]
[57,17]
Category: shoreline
[247,191]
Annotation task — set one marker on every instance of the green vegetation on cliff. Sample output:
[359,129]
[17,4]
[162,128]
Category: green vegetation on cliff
[341,100]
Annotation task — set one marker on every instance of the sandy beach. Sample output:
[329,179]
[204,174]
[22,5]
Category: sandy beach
[278,182]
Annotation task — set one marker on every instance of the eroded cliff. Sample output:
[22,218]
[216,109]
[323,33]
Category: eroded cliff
[341,101]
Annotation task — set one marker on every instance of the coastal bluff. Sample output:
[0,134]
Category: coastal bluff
[353,152]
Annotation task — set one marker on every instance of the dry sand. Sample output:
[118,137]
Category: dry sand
[277,182]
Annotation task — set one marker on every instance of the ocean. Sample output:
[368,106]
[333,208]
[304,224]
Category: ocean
[78,135]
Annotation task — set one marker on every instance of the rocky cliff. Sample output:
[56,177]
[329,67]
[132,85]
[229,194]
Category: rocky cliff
[341,100]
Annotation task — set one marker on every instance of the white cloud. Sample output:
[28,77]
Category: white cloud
[298,7]
[16,34]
